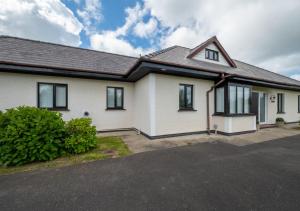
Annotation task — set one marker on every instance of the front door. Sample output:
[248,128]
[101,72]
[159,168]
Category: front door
[259,106]
[254,105]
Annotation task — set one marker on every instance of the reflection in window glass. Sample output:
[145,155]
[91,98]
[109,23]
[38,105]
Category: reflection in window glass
[119,97]
[240,94]
[46,96]
[61,92]
[110,97]
[246,100]
[220,99]
[232,100]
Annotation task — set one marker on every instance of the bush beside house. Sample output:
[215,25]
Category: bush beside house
[81,136]
[29,134]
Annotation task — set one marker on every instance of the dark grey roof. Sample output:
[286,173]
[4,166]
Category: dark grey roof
[177,55]
[29,52]
[42,54]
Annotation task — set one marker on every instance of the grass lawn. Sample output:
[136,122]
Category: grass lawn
[107,147]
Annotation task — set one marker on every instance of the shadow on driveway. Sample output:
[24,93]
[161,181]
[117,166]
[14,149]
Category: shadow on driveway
[207,176]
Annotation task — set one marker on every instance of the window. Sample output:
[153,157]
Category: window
[52,96]
[280,103]
[211,55]
[115,98]
[239,100]
[185,97]
[220,100]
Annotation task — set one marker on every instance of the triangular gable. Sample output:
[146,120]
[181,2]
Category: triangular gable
[216,42]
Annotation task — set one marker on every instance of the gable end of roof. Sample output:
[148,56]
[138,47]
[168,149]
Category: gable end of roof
[215,41]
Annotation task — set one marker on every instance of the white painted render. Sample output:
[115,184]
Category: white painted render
[168,119]
[201,56]
[234,124]
[151,104]
[291,104]
[83,95]
[142,105]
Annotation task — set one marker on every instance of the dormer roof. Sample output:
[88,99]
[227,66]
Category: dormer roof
[215,41]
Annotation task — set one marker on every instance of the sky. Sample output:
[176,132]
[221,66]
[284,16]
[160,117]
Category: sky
[265,33]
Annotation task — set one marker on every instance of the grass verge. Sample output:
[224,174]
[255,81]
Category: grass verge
[107,147]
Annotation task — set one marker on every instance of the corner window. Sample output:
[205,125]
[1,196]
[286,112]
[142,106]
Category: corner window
[185,96]
[211,54]
[52,96]
[115,98]
[280,103]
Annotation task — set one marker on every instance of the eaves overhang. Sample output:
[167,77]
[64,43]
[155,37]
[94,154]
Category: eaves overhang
[264,83]
[146,67]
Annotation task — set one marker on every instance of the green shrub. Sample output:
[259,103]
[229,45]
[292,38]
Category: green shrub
[81,135]
[30,134]
[279,119]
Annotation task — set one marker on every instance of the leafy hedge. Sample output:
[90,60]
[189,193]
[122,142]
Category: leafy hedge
[29,134]
[81,135]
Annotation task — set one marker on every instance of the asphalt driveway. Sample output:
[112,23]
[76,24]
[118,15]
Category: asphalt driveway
[206,176]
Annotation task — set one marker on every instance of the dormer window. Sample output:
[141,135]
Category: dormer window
[211,54]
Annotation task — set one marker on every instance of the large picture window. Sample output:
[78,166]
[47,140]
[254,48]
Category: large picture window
[115,98]
[280,103]
[52,96]
[185,97]
[233,99]
[239,102]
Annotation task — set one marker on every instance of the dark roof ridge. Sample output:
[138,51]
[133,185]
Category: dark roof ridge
[267,70]
[68,46]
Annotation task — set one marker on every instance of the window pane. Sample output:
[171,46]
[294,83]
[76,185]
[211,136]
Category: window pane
[220,99]
[246,100]
[119,97]
[110,97]
[232,100]
[181,96]
[262,107]
[189,96]
[46,96]
[61,93]
[240,94]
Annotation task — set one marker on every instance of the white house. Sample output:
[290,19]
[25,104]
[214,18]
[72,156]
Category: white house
[175,91]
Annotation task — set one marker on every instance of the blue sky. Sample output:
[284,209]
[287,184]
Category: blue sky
[264,33]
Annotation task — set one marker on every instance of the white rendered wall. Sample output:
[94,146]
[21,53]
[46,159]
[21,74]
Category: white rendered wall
[171,121]
[291,104]
[83,95]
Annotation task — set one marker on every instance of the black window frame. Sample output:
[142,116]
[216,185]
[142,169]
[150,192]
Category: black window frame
[280,108]
[298,103]
[57,108]
[215,54]
[186,107]
[226,112]
[115,98]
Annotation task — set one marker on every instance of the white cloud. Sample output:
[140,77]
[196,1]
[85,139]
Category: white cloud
[264,32]
[47,20]
[90,14]
[114,41]
[296,76]
[144,30]
[108,42]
